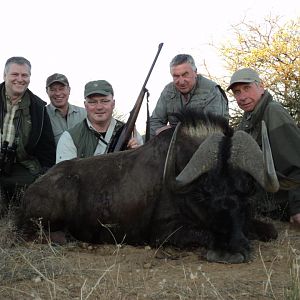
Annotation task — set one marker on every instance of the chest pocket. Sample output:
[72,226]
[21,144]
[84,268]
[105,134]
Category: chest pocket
[204,101]
[208,101]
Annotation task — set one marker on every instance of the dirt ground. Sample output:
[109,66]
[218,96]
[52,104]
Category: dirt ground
[83,271]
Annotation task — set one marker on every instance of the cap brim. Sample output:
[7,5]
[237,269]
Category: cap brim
[239,81]
[100,92]
[62,82]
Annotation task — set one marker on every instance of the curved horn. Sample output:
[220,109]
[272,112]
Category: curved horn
[246,154]
[271,179]
[203,160]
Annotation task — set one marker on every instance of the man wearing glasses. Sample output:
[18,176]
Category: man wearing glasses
[188,90]
[95,133]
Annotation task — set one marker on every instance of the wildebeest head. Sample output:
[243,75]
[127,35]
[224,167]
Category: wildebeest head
[219,178]
[244,154]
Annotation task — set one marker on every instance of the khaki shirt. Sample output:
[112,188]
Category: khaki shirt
[60,124]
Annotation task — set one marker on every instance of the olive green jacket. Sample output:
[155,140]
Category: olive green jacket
[206,95]
[284,136]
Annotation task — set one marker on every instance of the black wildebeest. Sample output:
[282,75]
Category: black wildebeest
[187,186]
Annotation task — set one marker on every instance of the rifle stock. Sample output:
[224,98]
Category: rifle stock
[128,128]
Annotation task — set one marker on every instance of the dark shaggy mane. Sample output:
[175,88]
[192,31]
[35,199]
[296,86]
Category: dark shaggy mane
[224,155]
[193,118]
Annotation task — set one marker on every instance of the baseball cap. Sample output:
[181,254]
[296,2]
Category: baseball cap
[246,75]
[56,77]
[101,87]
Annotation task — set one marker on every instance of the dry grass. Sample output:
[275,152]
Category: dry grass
[82,271]
[293,291]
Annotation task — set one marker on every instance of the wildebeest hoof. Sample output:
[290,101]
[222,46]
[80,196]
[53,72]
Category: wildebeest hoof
[225,257]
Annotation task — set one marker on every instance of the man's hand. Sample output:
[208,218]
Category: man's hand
[295,219]
[133,143]
[159,130]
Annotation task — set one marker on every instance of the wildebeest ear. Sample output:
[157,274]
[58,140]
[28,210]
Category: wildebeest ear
[169,168]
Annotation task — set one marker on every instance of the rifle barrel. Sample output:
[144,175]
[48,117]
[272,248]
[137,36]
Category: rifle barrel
[128,128]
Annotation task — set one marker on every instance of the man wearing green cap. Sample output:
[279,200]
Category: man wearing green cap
[63,115]
[284,135]
[93,135]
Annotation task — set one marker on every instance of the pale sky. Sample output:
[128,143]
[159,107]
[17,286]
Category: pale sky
[117,40]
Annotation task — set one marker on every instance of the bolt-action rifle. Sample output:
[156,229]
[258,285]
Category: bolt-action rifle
[127,129]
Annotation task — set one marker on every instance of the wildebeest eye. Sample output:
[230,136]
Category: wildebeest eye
[245,185]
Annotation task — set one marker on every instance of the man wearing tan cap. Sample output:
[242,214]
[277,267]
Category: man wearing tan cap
[284,135]
[98,131]
[63,115]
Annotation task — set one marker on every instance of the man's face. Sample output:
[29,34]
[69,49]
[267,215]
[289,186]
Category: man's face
[247,95]
[17,80]
[184,77]
[99,108]
[59,94]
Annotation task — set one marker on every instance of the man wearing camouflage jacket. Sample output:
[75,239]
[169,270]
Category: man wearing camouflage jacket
[188,90]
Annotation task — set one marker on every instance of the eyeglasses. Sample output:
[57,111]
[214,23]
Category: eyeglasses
[95,102]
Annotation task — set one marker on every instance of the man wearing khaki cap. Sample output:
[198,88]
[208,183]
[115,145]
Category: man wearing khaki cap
[284,135]
[63,115]
[93,135]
